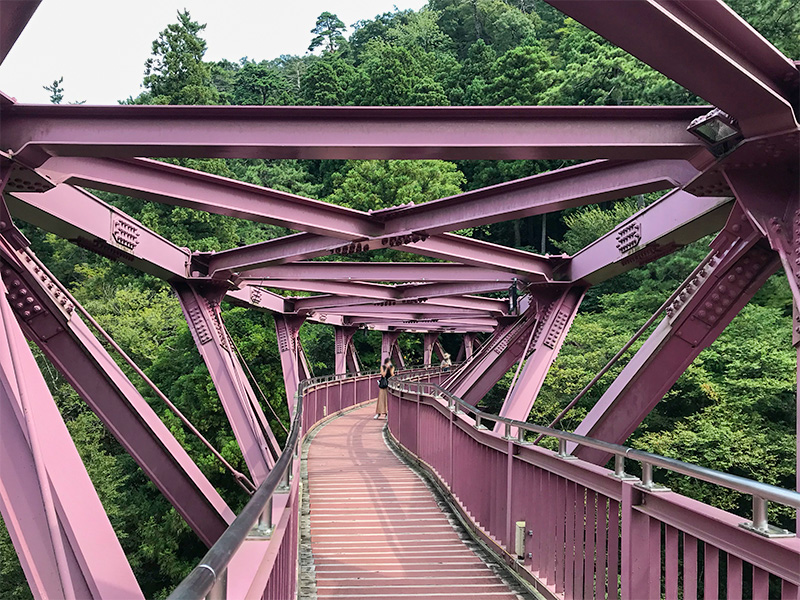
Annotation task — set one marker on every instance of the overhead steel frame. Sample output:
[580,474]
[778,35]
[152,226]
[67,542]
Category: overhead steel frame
[747,188]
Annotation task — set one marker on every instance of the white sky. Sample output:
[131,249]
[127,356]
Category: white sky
[99,46]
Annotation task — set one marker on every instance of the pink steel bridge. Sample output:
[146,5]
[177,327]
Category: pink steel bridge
[731,168]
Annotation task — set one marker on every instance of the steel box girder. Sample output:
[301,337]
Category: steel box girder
[358,271]
[36,132]
[712,52]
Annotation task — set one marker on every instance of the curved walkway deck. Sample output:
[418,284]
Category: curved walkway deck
[376,529]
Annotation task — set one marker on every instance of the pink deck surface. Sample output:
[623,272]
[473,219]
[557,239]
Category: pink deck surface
[376,529]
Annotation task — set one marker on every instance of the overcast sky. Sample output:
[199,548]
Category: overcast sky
[99,46]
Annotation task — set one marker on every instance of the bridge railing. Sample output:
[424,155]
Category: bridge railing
[257,556]
[577,530]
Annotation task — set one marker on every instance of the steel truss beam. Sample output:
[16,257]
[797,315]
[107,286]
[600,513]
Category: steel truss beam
[170,184]
[358,271]
[671,222]
[544,348]
[542,326]
[343,337]
[450,247]
[62,535]
[250,426]
[14,15]
[701,312]
[293,360]
[429,340]
[588,183]
[48,319]
[87,221]
[341,293]
[469,251]
[78,216]
[36,132]
[712,52]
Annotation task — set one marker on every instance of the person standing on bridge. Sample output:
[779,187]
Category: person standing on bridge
[382,407]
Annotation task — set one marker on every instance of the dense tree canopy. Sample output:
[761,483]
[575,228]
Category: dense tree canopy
[732,410]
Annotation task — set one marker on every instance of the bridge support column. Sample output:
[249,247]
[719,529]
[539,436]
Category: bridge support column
[343,338]
[50,321]
[428,342]
[547,340]
[544,322]
[388,346]
[250,426]
[702,310]
[293,359]
[468,344]
[778,215]
[64,540]
[353,363]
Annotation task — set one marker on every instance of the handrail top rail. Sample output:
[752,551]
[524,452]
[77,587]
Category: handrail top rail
[734,482]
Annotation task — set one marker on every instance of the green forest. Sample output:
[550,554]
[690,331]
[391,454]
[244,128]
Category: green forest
[733,409]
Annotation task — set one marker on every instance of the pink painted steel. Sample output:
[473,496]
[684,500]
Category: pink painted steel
[287,329]
[692,323]
[790,591]
[358,271]
[79,356]
[343,337]
[469,251]
[760,583]
[14,15]
[248,422]
[713,53]
[476,377]
[733,585]
[671,563]
[428,341]
[614,549]
[595,553]
[569,187]
[75,214]
[589,546]
[65,542]
[388,341]
[602,548]
[690,578]
[669,223]
[171,184]
[710,572]
[403,544]
[509,132]
[549,334]
[580,532]
[278,251]
[569,571]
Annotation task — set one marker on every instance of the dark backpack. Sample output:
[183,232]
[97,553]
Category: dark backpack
[383,382]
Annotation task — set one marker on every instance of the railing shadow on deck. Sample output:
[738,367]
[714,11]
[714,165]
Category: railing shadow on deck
[577,530]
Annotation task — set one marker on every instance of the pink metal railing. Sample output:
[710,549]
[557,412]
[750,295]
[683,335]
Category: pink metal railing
[590,532]
[261,545]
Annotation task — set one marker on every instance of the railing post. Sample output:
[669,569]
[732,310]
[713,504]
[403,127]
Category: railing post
[619,469]
[647,482]
[562,451]
[263,528]
[760,523]
[641,575]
